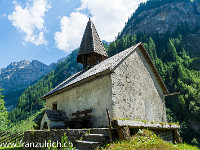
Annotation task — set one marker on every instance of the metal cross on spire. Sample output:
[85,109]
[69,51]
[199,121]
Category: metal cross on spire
[90,15]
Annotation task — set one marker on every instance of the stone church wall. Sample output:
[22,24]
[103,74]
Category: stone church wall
[95,95]
[136,94]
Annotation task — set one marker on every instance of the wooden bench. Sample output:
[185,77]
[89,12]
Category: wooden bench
[82,118]
[79,113]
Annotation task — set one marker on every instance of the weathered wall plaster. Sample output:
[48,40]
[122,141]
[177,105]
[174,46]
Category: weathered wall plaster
[95,95]
[136,94]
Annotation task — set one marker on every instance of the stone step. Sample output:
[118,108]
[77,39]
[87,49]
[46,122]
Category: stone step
[96,137]
[87,145]
[104,131]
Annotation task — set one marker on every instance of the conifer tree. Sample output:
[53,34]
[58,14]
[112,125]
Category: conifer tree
[152,46]
[172,54]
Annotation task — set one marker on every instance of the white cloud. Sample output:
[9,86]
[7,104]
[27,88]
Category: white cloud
[72,29]
[109,18]
[30,20]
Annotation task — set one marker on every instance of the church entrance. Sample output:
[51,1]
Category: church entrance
[45,126]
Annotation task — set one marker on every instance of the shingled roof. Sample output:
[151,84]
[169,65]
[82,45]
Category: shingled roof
[103,68]
[91,43]
[56,115]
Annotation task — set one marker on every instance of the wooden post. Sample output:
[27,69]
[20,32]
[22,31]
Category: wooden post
[176,137]
[123,132]
[110,127]
[84,63]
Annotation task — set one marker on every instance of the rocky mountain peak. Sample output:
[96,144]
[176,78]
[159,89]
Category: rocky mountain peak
[21,64]
[163,18]
[19,75]
[160,17]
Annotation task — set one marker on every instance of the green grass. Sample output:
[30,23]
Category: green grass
[11,148]
[146,140]
[186,147]
[26,124]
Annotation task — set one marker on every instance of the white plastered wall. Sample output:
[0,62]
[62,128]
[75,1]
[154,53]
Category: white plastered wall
[95,95]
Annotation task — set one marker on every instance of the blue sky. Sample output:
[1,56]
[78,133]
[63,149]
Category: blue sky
[47,30]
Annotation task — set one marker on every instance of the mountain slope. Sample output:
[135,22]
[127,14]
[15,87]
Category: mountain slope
[19,75]
[161,17]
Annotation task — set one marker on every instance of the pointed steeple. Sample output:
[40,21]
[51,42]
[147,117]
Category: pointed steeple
[91,51]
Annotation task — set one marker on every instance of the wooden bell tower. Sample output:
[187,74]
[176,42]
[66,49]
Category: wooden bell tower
[91,51]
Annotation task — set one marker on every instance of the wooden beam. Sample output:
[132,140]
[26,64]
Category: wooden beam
[170,94]
[141,124]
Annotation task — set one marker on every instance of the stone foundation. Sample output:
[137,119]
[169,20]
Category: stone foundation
[43,136]
[124,132]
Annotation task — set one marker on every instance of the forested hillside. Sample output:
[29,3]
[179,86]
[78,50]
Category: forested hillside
[171,54]
[27,102]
